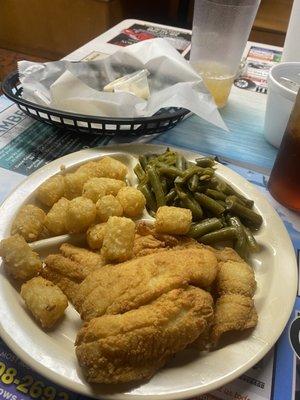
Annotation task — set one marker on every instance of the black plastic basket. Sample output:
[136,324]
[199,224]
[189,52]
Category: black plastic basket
[163,120]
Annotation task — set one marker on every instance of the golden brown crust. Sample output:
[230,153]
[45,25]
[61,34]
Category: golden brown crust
[131,346]
[45,300]
[86,258]
[21,262]
[70,270]
[235,277]
[173,220]
[148,244]
[29,222]
[64,273]
[122,287]
[226,254]
[233,312]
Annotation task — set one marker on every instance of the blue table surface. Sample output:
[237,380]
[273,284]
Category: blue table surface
[244,143]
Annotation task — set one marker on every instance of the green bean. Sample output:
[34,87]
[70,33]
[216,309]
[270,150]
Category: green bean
[205,226]
[223,220]
[189,202]
[214,183]
[150,199]
[202,187]
[193,183]
[231,192]
[150,156]
[156,186]
[195,208]
[219,236]
[215,194]
[205,161]
[140,173]
[143,161]
[177,202]
[221,186]
[222,203]
[190,172]
[180,162]
[208,171]
[249,217]
[164,185]
[253,246]
[170,197]
[168,157]
[241,243]
[242,200]
[208,203]
[170,171]
[204,177]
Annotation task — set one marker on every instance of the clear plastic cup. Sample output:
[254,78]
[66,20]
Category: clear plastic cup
[220,32]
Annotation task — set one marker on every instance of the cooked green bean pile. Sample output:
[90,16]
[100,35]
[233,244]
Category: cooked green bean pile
[220,213]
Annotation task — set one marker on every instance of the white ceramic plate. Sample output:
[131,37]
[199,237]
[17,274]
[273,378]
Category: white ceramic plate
[188,374]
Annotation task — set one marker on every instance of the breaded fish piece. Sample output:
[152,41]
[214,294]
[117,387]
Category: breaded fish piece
[226,254]
[235,277]
[65,273]
[88,259]
[233,312]
[134,345]
[148,241]
[115,289]
[148,244]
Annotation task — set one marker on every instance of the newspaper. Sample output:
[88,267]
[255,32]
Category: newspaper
[25,146]
[139,32]
[256,67]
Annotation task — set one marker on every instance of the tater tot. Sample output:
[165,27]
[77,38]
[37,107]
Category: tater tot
[74,184]
[110,168]
[51,190]
[21,262]
[95,188]
[108,206]
[132,200]
[173,220]
[95,236]
[45,300]
[56,218]
[81,214]
[89,169]
[29,222]
[118,239]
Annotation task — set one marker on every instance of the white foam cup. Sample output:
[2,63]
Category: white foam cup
[280,100]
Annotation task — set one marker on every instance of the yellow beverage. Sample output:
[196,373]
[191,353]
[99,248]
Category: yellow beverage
[217,79]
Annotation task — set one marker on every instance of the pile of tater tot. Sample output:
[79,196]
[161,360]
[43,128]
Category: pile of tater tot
[95,200]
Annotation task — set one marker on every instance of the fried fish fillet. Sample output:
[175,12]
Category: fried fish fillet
[233,312]
[65,273]
[235,277]
[148,244]
[134,345]
[88,259]
[226,254]
[69,270]
[115,289]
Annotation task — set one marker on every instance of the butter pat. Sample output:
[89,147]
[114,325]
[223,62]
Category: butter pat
[136,84]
